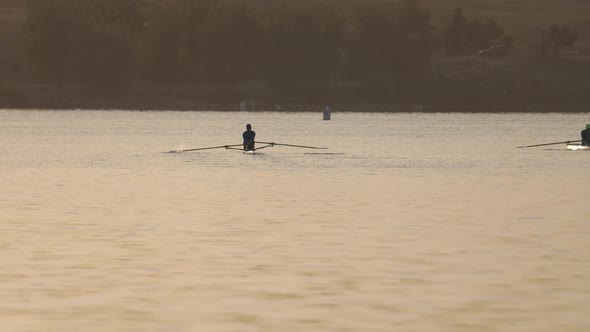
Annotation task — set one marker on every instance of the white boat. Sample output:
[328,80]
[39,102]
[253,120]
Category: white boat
[576,147]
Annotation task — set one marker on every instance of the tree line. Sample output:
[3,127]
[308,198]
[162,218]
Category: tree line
[464,35]
[290,46]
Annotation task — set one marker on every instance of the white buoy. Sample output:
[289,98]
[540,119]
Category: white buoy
[327,113]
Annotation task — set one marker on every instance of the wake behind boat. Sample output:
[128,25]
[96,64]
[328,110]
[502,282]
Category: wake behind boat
[239,147]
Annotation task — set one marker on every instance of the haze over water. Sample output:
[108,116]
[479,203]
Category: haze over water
[408,222]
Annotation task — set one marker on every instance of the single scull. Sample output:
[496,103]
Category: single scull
[239,147]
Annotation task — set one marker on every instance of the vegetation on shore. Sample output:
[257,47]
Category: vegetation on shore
[188,54]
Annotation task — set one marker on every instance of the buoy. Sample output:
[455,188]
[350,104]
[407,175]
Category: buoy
[327,113]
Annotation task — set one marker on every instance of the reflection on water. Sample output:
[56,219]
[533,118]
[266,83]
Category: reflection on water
[409,222]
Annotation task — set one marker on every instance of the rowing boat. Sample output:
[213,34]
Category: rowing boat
[568,144]
[576,147]
[239,147]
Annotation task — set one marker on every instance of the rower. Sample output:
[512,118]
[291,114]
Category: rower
[586,135]
[248,136]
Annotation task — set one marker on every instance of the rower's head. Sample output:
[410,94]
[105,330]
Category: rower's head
[588,126]
[248,126]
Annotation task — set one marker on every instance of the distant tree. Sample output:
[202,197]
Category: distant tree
[466,35]
[243,50]
[454,38]
[163,47]
[492,33]
[558,36]
[296,48]
[49,39]
[203,41]
[417,41]
[301,47]
[390,40]
[566,36]
[222,41]
[84,41]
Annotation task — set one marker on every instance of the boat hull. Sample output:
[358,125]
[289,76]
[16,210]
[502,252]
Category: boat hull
[576,147]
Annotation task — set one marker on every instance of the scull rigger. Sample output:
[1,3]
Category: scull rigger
[291,145]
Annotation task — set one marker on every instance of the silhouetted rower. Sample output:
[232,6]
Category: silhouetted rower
[586,135]
[249,136]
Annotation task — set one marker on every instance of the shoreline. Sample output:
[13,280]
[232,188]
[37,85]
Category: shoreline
[43,98]
[204,106]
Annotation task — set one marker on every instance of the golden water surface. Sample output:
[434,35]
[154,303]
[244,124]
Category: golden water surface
[407,222]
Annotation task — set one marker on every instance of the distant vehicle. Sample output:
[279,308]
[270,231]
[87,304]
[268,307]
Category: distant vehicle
[495,51]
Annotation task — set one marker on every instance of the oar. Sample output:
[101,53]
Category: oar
[208,148]
[564,142]
[291,145]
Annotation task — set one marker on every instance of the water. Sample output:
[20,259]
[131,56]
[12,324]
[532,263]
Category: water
[408,222]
